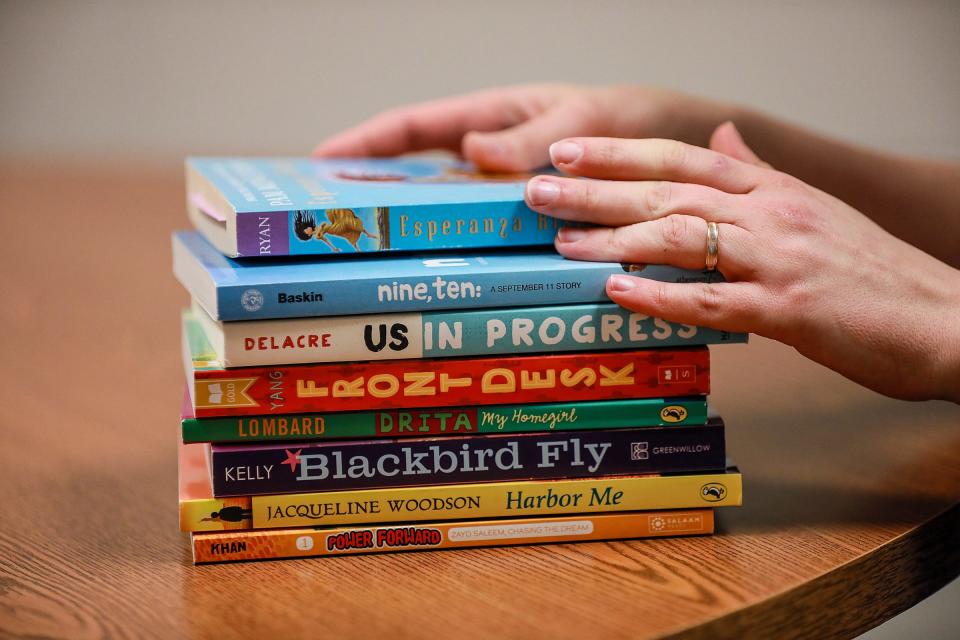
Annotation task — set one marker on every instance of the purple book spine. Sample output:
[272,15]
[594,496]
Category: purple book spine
[263,234]
[337,466]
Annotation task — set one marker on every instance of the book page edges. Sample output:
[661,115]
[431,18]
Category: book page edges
[211,213]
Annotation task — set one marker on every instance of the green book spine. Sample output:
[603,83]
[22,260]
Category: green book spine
[565,416]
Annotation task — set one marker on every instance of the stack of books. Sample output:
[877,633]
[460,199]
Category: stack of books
[388,355]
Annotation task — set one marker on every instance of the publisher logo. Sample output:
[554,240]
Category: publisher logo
[673,413]
[639,450]
[251,300]
[713,492]
[677,374]
[681,522]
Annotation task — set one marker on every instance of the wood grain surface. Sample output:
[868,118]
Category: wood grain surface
[850,509]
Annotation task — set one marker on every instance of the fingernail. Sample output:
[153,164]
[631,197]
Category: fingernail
[570,234]
[565,152]
[621,284]
[542,192]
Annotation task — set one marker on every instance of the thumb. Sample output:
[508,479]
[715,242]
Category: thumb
[526,146]
[726,139]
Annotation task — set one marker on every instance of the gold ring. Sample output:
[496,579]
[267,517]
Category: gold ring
[713,245]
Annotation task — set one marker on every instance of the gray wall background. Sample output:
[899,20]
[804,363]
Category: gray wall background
[161,80]
[152,82]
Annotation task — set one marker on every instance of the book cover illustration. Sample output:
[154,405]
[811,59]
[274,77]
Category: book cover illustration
[448,502]
[232,289]
[561,416]
[248,469]
[255,207]
[438,382]
[274,544]
[199,510]
[396,336]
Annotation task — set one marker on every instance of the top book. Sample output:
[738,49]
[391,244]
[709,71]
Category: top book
[258,207]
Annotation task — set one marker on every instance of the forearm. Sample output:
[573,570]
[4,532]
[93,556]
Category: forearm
[915,199]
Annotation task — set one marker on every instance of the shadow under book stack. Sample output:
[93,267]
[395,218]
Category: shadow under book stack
[446,380]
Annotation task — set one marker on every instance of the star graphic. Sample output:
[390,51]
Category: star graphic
[293,459]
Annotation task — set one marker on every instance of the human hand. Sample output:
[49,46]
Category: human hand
[802,267]
[511,128]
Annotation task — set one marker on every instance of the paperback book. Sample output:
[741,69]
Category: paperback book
[359,464]
[399,423]
[438,382]
[256,207]
[297,288]
[273,544]
[396,336]
[201,511]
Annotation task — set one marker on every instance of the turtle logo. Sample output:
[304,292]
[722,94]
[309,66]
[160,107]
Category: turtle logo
[713,492]
[673,413]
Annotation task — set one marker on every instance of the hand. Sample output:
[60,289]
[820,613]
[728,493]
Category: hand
[511,128]
[801,266]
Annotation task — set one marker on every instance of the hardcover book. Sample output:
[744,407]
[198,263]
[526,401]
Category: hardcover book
[438,382]
[400,423]
[254,207]
[201,511]
[475,332]
[359,464]
[312,542]
[299,288]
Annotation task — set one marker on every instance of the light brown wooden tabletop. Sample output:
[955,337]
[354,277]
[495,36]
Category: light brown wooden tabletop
[850,499]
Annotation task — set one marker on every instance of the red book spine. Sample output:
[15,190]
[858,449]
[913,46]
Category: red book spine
[446,382]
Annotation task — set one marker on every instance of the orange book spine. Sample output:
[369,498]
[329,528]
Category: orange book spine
[272,544]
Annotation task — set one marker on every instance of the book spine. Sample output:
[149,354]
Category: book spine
[497,500]
[401,228]
[562,416]
[463,502]
[445,382]
[557,329]
[318,542]
[371,464]
[455,283]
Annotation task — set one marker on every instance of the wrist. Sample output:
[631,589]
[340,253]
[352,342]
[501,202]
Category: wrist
[939,371]
[949,370]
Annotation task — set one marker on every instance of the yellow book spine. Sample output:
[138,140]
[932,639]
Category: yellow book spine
[497,500]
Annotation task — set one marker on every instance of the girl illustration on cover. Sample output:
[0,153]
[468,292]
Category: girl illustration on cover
[342,223]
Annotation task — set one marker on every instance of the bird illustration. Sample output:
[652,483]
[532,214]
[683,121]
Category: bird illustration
[343,223]
[713,491]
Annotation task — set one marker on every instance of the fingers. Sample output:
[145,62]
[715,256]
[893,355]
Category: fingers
[726,139]
[526,145]
[613,203]
[653,159]
[680,241]
[728,306]
[438,124]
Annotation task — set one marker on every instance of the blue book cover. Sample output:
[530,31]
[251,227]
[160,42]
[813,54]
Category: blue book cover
[231,289]
[257,207]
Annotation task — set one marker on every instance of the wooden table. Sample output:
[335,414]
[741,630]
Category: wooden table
[850,509]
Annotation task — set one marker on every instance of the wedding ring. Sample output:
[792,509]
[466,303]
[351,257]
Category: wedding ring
[713,245]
